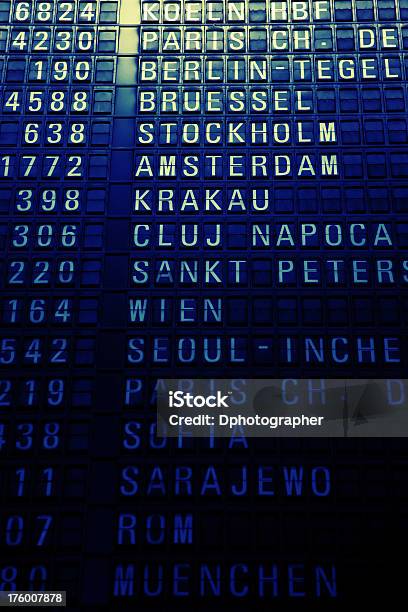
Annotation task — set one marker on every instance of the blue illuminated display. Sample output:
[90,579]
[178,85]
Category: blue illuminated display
[197,189]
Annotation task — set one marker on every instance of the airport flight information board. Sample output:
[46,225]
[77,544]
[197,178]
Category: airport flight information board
[198,189]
